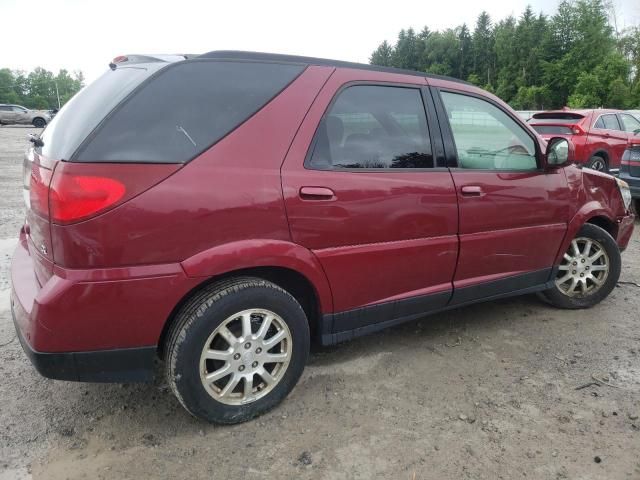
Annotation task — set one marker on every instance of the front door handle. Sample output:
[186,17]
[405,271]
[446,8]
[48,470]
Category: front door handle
[471,191]
[317,193]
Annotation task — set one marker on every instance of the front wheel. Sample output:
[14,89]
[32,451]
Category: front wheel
[236,350]
[39,122]
[588,272]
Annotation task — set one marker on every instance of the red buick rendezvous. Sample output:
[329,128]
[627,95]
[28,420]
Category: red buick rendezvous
[222,211]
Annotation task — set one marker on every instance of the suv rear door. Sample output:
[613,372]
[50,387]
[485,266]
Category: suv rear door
[366,190]
[607,128]
[513,214]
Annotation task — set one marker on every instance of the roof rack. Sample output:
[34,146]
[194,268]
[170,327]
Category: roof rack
[276,57]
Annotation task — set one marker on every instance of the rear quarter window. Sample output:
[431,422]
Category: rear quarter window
[184,109]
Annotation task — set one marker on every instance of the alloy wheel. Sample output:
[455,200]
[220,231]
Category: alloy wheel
[246,357]
[584,268]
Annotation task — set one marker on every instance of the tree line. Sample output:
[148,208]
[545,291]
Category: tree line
[37,89]
[576,57]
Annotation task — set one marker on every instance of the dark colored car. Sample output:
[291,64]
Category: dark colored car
[222,211]
[600,137]
[630,170]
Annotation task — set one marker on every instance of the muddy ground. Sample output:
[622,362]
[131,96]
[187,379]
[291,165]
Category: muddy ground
[492,391]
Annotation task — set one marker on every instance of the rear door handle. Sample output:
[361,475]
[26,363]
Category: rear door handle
[317,193]
[471,191]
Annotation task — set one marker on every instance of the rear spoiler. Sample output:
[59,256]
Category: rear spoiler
[136,58]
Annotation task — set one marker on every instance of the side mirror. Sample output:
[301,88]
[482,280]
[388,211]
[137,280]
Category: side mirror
[559,152]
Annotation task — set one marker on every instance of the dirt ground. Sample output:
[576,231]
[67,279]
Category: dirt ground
[493,391]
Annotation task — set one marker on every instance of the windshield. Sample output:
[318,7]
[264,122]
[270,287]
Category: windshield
[80,115]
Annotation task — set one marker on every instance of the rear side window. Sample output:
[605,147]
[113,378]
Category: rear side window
[184,110]
[610,122]
[373,127]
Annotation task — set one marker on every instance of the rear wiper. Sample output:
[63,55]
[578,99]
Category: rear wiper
[35,139]
[180,129]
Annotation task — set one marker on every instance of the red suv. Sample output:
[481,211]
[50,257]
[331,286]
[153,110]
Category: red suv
[222,211]
[600,137]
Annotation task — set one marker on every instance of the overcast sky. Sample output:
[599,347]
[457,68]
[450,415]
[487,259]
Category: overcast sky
[86,34]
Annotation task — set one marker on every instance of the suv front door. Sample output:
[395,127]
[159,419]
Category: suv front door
[513,214]
[364,192]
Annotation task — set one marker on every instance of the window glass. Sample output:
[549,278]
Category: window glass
[5,108]
[371,126]
[19,109]
[552,129]
[610,122]
[185,109]
[599,123]
[486,137]
[631,124]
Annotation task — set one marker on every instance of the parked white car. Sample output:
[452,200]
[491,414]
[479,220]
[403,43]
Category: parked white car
[19,115]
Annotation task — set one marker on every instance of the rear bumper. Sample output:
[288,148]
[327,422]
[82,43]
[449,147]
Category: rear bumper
[120,365]
[93,325]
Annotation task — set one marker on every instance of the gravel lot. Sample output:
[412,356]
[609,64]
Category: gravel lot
[486,392]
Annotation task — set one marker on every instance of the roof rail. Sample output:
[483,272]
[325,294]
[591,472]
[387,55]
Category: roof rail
[276,57]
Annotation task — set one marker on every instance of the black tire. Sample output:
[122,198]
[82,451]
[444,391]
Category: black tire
[556,297]
[636,205]
[597,163]
[39,122]
[201,316]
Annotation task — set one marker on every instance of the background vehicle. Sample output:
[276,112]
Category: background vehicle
[599,137]
[223,231]
[18,115]
[630,170]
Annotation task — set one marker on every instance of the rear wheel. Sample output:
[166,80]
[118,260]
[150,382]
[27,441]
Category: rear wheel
[588,272]
[236,350]
[597,163]
[39,122]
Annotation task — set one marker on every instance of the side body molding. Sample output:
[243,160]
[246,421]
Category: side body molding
[262,253]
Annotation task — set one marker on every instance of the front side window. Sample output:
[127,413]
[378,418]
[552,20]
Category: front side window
[486,137]
[630,123]
[610,122]
[373,127]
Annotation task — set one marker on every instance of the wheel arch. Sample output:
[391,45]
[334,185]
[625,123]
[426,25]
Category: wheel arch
[600,152]
[593,213]
[290,266]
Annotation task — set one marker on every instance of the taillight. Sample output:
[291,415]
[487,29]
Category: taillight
[80,191]
[39,180]
[577,130]
[631,155]
[75,197]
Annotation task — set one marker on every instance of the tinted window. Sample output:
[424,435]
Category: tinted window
[87,108]
[599,123]
[5,108]
[630,123]
[610,122]
[486,137]
[370,126]
[185,109]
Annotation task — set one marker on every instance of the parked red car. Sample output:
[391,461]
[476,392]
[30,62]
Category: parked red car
[600,137]
[222,211]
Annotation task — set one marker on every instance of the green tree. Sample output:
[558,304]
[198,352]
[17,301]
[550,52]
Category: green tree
[383,55]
